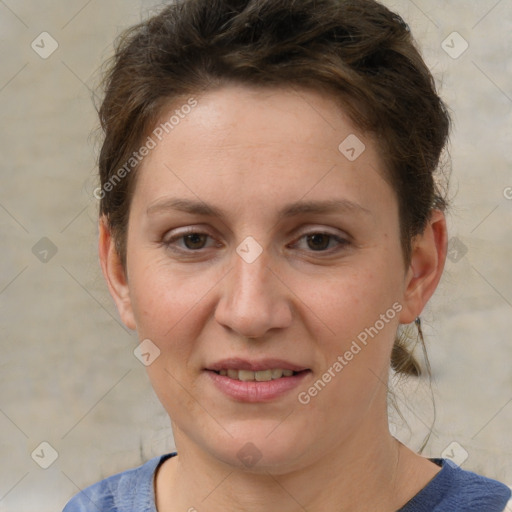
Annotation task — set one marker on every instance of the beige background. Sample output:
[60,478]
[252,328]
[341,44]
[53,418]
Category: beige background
[68,375]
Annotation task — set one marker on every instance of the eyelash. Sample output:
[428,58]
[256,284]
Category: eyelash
[342,242]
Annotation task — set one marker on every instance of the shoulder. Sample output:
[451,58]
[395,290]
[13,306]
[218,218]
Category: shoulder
[459,489]
[131,490]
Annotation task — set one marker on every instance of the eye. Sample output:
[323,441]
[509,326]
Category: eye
[320,241]
[193,241]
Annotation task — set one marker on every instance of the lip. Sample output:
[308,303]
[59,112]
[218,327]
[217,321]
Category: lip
[254,391]
[236,363]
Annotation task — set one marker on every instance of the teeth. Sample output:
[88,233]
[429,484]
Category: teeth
[263,375]
[277,373]
[259,376]
[245,375]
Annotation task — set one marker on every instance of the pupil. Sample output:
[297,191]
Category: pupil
[318,237]
[194,238]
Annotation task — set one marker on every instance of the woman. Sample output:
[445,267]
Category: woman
[269,217]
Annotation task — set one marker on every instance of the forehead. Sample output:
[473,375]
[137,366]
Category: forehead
[232,116]
[260,147]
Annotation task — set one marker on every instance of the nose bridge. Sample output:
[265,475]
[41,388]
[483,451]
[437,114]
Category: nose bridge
[251,276]
[253,300]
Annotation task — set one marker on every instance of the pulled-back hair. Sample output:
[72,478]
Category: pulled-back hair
[357,51]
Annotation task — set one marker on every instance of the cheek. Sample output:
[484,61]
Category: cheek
[173,306]
[168,306]
[358,308]
[165,304]
[359,317]
[350,299]
[161,295]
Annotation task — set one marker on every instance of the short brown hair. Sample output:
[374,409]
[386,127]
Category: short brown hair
[358,50]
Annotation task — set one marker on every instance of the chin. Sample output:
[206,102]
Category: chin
[261,450]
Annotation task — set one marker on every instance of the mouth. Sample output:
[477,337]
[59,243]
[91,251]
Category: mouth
[257,376]
[256,381]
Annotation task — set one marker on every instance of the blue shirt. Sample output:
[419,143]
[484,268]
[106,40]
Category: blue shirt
[451,490]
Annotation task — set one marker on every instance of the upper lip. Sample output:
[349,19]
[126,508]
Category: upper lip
[236,363]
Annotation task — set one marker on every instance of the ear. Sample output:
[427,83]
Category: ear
[427,263]
[114,274]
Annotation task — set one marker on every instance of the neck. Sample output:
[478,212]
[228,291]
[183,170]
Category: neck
[335,481]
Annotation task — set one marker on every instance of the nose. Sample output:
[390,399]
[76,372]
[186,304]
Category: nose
[254,298]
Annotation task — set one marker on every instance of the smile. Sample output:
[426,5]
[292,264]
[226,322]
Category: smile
[256,386]
[259,376]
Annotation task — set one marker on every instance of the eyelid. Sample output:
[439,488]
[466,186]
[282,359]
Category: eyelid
[312,229]
[183,233]
[340,235]
[342,240]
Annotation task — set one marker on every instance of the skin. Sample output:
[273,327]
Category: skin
[250,152]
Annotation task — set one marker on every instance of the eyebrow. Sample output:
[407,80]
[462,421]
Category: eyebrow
[289,210]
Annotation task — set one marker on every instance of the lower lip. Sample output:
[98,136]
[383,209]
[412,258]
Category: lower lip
[254,391]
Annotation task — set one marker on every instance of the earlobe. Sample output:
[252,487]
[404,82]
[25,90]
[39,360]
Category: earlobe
[427,263]
[115,274]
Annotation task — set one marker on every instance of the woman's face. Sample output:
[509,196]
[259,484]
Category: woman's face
[295,263]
